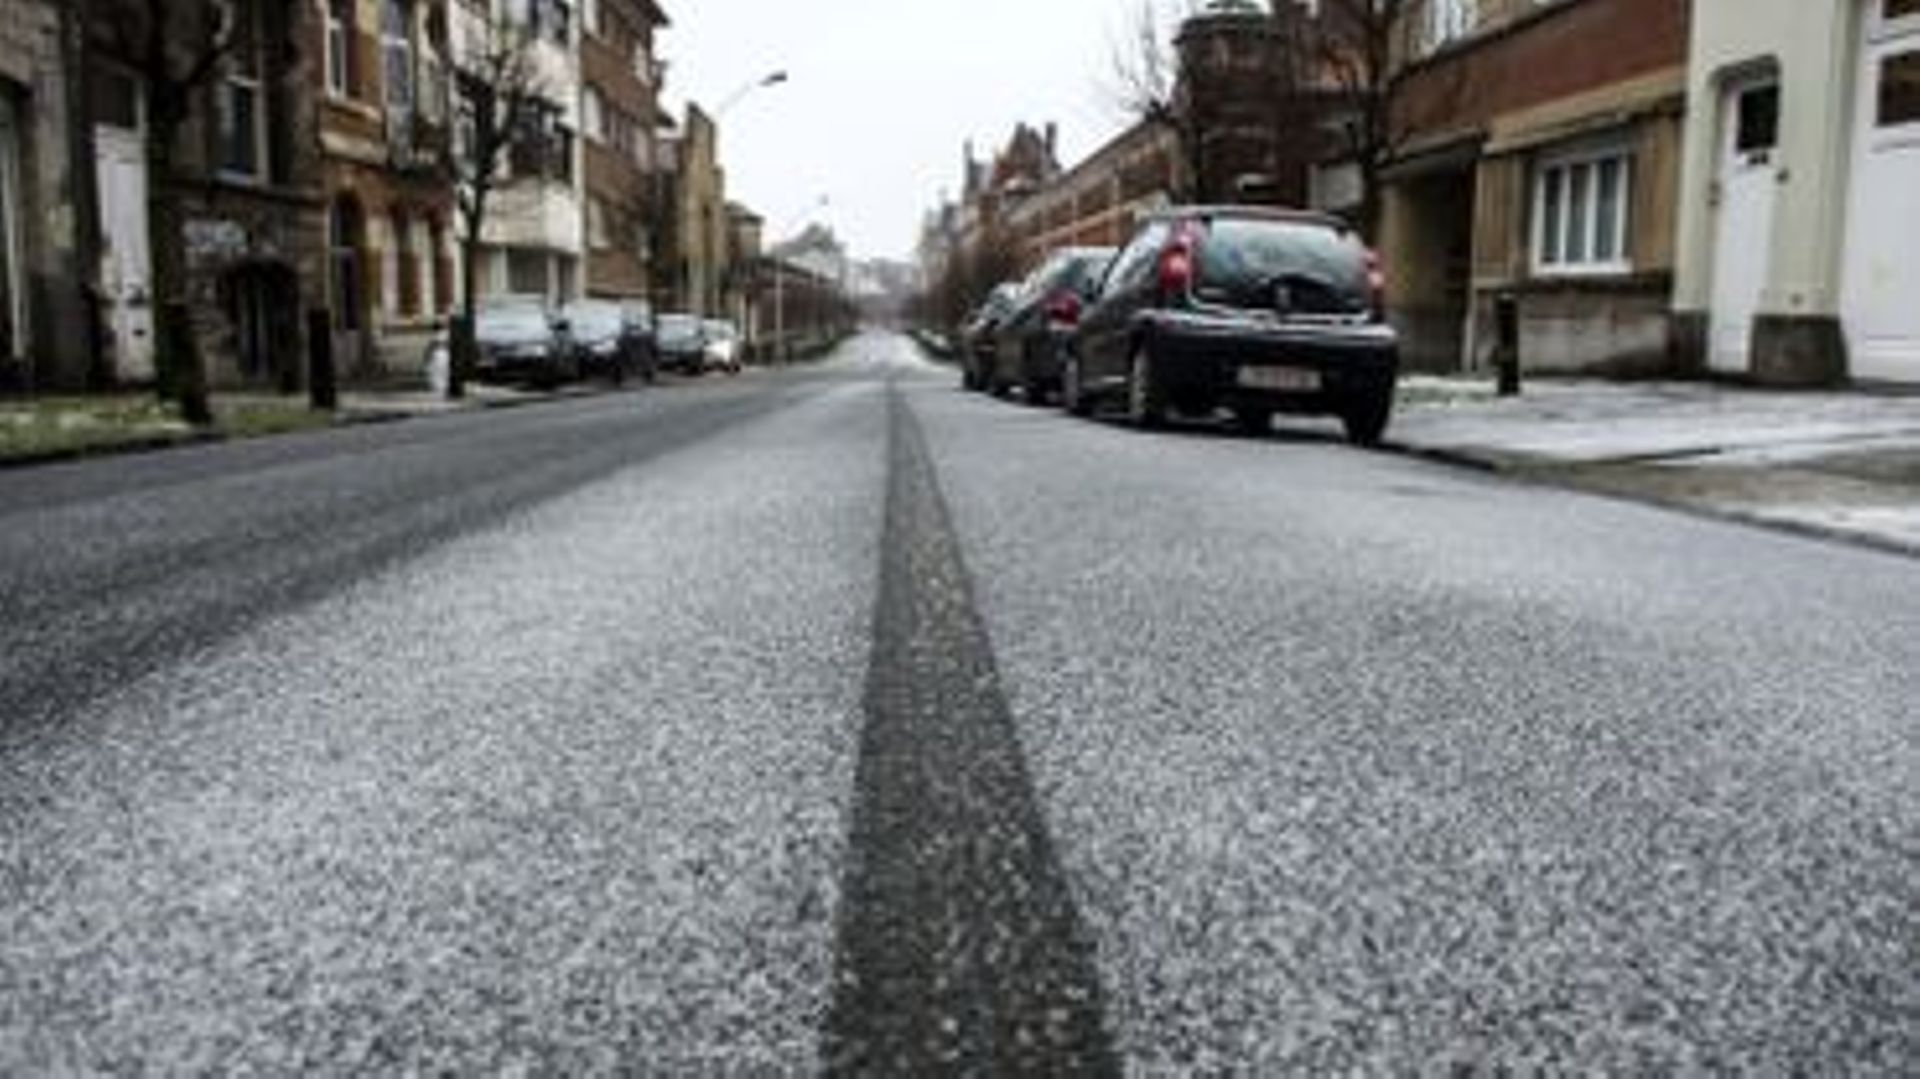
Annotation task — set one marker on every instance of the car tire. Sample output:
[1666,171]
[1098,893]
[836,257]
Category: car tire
[1253,421]
[1146,407]
[1366,418]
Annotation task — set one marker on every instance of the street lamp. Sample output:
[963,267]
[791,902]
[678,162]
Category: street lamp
[780,281]
[774,78]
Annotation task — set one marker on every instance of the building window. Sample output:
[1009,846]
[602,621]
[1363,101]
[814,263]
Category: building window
[593,115]
[344,229]
[590,17]
[340,47]
[396,54]
[1899,96]
[527,272]
[404,294]
[1581,211]
[240,121]
[1449,19]
[597,235]
[1892,10]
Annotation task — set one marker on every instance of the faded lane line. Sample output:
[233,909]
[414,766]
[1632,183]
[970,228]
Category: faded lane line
[959,947]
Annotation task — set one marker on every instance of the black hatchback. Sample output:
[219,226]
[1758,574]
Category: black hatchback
[1257,311]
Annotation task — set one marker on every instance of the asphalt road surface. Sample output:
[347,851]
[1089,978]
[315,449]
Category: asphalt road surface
[832,719]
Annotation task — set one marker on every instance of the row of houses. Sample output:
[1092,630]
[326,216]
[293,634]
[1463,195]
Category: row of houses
[1726,187]
[312,174]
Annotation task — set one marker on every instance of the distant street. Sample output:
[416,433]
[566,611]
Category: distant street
[831,718]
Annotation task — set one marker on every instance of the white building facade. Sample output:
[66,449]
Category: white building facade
[1799,226]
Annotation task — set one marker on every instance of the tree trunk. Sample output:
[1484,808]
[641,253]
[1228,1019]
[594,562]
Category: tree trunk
[180,374]
[461,342]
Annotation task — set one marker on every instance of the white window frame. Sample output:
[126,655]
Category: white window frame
[1448,20]
[1565,165]
[599,237]
[399,41]
[590,18]
[236,79]
[339,62]
[593,114]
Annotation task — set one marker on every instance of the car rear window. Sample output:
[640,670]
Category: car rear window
[1297,266]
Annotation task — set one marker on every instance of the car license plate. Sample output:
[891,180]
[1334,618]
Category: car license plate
[1297,379]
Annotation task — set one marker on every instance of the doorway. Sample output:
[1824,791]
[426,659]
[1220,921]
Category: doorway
[126,266]
[1880,275]
[1743,226]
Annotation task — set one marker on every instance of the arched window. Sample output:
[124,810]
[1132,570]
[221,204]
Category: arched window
[346,232]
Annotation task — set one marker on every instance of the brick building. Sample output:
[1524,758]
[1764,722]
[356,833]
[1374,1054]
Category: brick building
[381,98]
[46,328]
[619,121]
[1537,154]
[244,187]
[695,197]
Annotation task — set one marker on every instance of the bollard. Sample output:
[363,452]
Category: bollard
[323,385]
[1506,317]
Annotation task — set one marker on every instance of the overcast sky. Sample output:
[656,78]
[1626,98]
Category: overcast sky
[884,92]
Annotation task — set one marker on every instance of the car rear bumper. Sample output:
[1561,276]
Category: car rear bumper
[514,365]
[1209,362]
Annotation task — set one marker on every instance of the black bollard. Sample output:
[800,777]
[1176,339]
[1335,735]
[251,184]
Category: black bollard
[323,385]
[1506,317]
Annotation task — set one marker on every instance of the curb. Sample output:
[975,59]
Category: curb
[342,417]
[1545,473]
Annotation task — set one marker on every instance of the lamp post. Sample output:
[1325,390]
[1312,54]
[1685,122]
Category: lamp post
[772,78]
[779,283]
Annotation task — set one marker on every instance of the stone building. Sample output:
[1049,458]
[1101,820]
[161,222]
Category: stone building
[695,194]
[619,123]
[1536,154]
[47,334]
[383,120]
[1799,217]
[244,184]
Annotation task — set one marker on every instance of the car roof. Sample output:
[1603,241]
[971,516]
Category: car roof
[1258,213]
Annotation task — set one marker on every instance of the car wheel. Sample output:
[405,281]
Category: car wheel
[1253,420]
[1073,397]
[1145,407]
[1366,418]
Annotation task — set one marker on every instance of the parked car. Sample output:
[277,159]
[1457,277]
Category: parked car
[682,343]
[519,339]
[1259,311]
[1032,339]
[611,339]
[977,336]
[723,346]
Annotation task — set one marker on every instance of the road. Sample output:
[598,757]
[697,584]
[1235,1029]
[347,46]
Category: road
[834,719]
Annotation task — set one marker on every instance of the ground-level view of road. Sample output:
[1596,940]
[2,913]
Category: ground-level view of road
[832,718]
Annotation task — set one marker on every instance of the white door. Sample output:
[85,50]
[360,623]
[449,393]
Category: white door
[1743,222]
[126,270]
[1880,291]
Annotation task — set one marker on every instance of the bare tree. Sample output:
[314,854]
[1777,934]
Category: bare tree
[504,112]
[174,48]
[1354,53]
[1146,80]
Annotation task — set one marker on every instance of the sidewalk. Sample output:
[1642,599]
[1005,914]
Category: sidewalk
[1836,464]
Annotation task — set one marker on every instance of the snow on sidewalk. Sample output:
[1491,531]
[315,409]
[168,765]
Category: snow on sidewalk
[1843,464]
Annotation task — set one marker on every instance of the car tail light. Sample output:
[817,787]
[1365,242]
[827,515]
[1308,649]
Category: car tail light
[1376,284]
[1064,309]
[1176,263]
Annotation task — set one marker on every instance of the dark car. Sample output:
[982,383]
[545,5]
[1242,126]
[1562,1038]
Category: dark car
[977,336]
[519,339]
[1032,339]
[1258,311]
[682,343]
[611,339]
